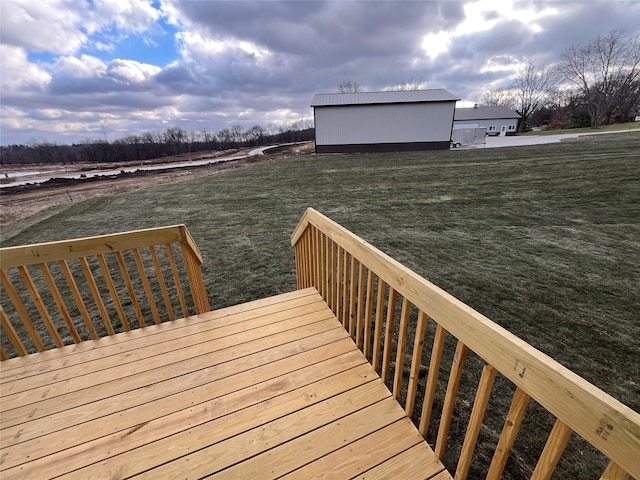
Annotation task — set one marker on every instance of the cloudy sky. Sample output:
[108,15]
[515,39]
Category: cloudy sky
[77,70]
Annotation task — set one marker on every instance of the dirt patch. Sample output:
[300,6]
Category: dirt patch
[18,203]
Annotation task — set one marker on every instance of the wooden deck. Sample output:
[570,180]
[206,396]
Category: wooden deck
[266,389]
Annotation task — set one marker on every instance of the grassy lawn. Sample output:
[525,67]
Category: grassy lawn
[543,239]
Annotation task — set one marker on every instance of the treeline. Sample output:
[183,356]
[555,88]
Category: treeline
[594,84]
[151,145]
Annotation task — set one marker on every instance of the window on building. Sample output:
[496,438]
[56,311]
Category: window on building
[492,128]
[512,127]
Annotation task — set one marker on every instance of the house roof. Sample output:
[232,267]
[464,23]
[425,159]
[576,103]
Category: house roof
[369,98]
[484,113]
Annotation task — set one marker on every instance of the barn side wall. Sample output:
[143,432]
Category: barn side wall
[383,127]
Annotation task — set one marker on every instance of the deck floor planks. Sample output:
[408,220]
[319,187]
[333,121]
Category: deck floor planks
[68,393]
[40,362]
[275,396]
[188,332]
[227,395]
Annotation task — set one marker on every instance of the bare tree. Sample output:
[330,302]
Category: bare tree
[531,87]
[498,98]
[410,83]
[347,86]
[602,70]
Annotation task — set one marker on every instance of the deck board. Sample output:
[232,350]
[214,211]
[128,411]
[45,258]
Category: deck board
[261,390]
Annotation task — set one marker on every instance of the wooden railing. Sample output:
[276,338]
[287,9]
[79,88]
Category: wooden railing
[58,293]
[387,309]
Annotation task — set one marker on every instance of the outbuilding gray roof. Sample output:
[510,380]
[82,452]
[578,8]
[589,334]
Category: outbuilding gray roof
[371,98]
[484,113]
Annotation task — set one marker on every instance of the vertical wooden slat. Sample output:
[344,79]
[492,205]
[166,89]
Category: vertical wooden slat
[352,298]
[416,362]
[114,294]
[57,297]
[129,284]
[22,311]
[377,336]
[553,450]
[483,393]
[333,279]
[308,257]
[457,366]
[147,286]
[298,254]
[163,285]
[176,279]
[615,472]
[388,334]
[512,424]
[324,259]
[402,346]
[339,302]
[360,306]
[3,353]
[96,295]
[12,334]
[432,379]
[73,287]
[368,312]
[39,303]
[345,288]
[316,259]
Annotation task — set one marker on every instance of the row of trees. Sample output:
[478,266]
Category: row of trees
[593,84]
[149,145]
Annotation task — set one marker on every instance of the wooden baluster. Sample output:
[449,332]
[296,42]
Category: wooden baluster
[402,345]
[512,424]
[483,393]
[114,294]
[324,266]
[388,334]
[615,472]
[96,295]
[12,334]
[147,286]
[39,303]
[308,250]
[345,290]
[368,312]
[22,311]
[352,298]
[129,284]
[377,336]
[318,260]
[57,297]
[416,362]
[176,279]
[457,366]
[333,281]
[73,287]
[3,353]
[163,285]
[432,379]
[553,450]
[360,313]
[339,307]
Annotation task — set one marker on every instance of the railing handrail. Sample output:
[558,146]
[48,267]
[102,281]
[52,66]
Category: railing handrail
[87,246]
[580,405]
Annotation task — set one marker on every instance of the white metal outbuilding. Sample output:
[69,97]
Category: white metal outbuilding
[383,121]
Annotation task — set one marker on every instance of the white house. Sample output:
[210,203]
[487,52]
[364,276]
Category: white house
[383,121]
[497,120]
